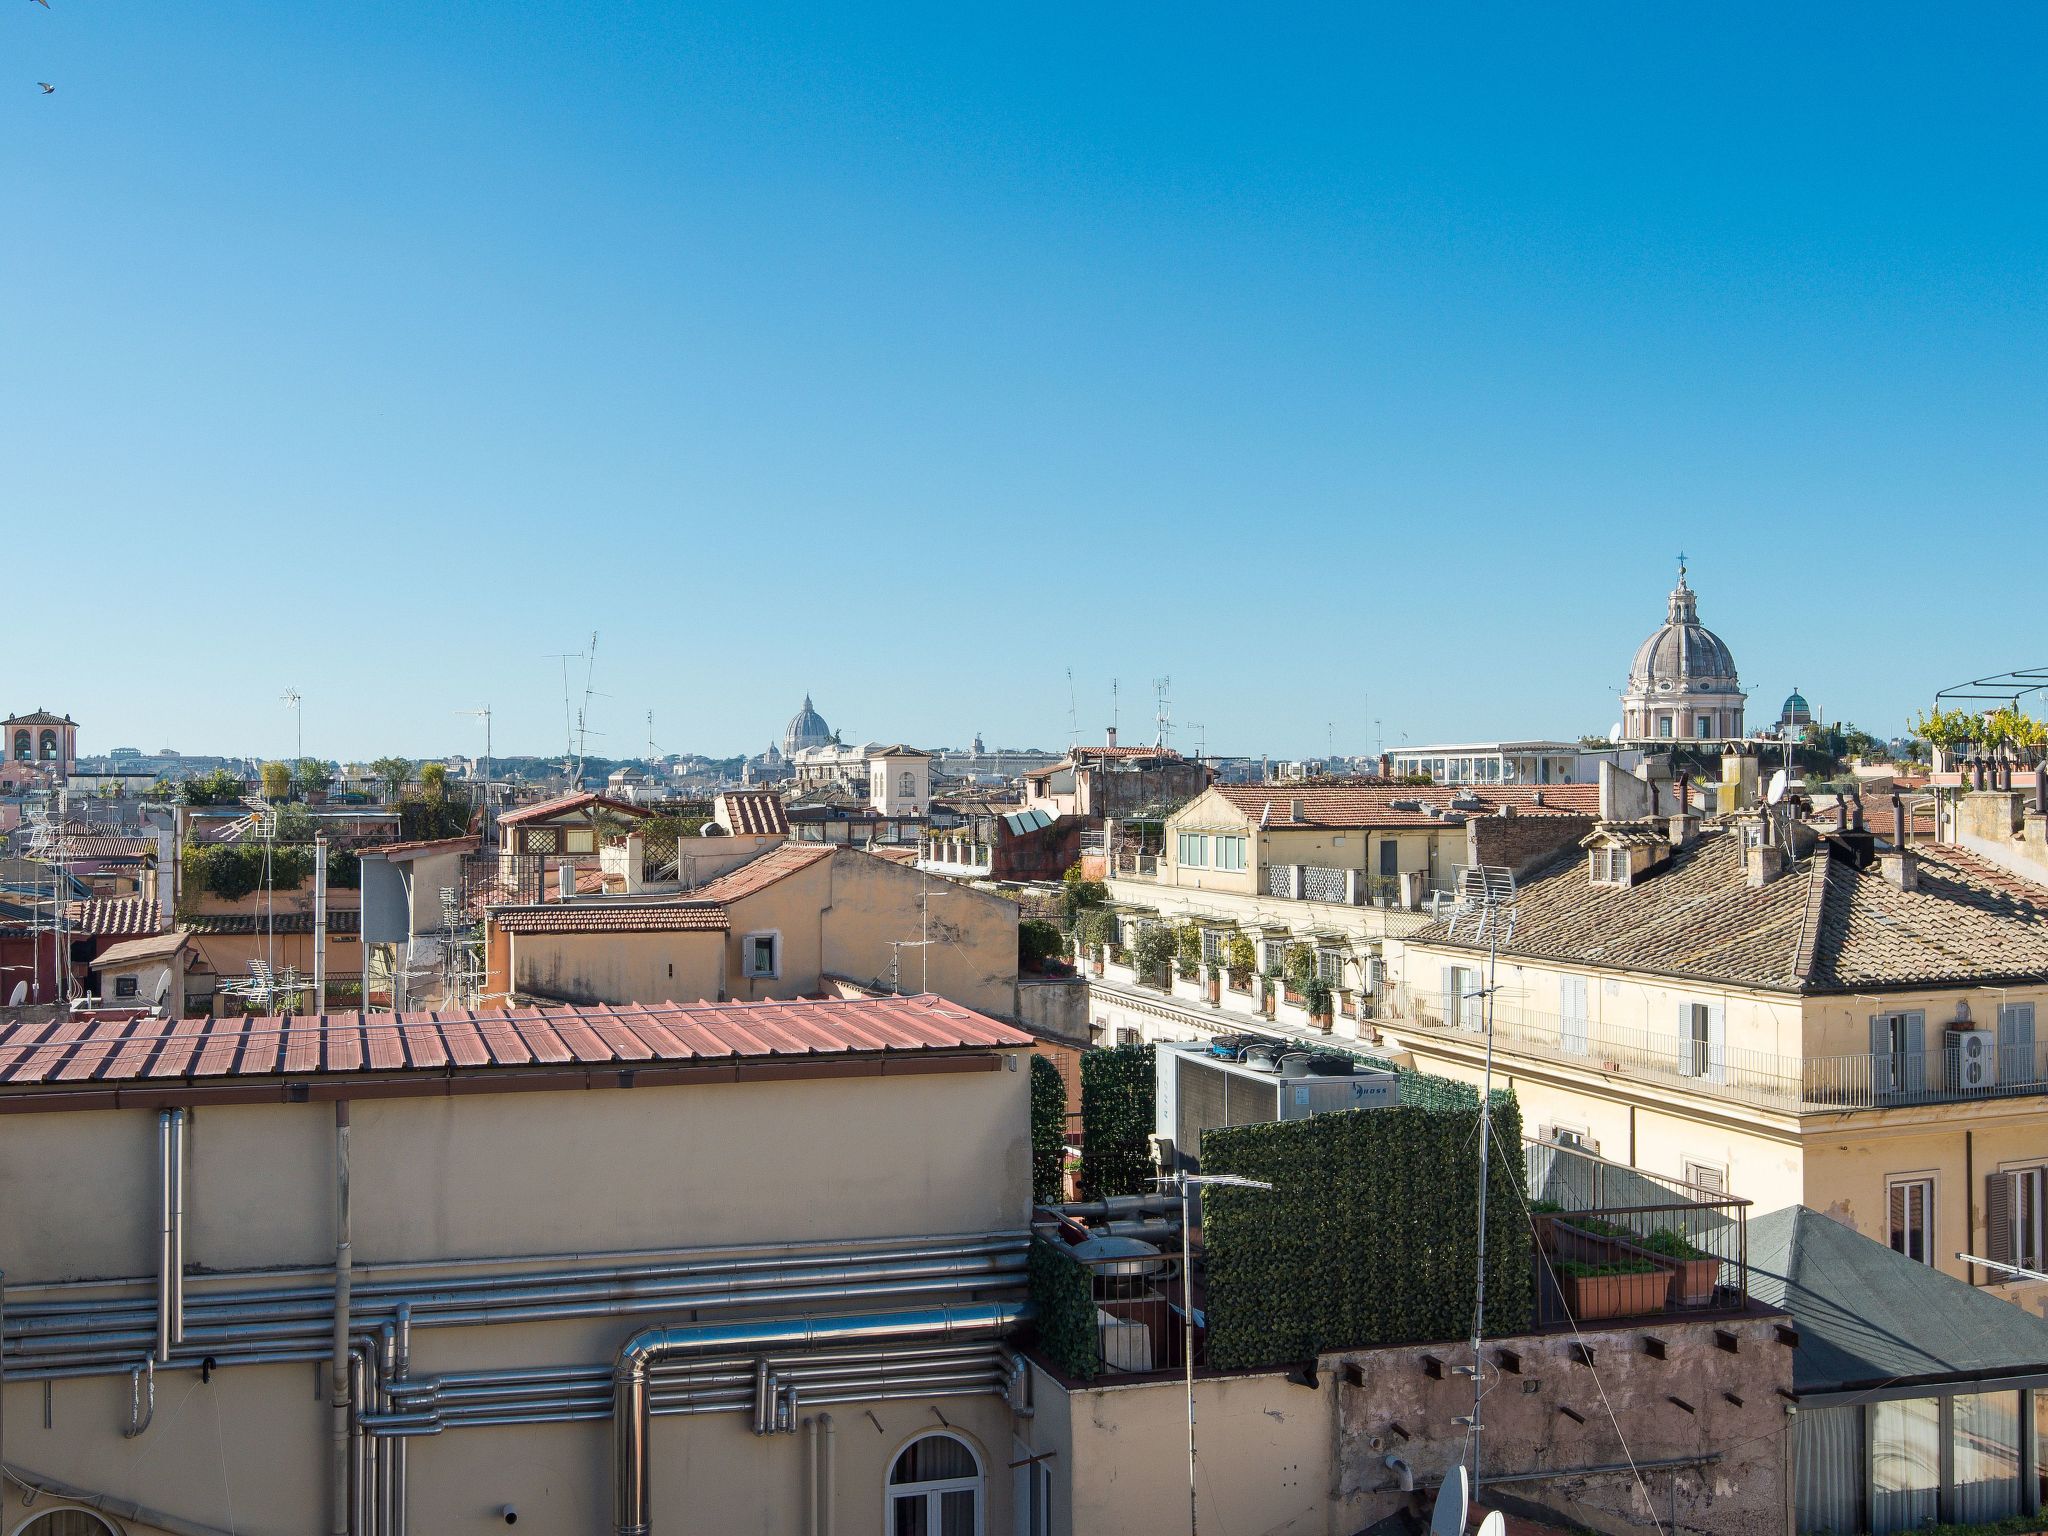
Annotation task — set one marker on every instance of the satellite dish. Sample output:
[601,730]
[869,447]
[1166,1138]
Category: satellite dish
[1775,791]
[163,988]
[1495,1524]
[18,995]
[1448,1518]
[1614,732]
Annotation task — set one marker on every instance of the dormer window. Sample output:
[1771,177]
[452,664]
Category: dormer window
[1611,866]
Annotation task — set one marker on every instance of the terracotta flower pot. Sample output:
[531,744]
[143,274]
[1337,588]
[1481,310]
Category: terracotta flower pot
[1592,1297]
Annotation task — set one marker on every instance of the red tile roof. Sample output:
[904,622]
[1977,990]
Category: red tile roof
[545,810]
[1373,805]
[115,917]
[418,845]
[778,863]
[758,812]
[110,1049]
[615,917]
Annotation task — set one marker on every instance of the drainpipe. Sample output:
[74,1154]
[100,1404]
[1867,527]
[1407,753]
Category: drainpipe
[319,925]
[633,1369]
[811,1478]
[170,1233]
[828,1518]
[401,1330]
[340,1377]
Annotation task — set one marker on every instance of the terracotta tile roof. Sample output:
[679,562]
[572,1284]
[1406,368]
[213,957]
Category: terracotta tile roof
[1373,805]
[588,882]
[615,917]
[778,863]
[156,947]
[418,846]
[545,810]
[120,1048]
[82,845]
[1823,925]
[757,812]
[230,924]
[905,854]
[115,916]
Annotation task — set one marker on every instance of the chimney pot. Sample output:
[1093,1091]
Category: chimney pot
[1112,737]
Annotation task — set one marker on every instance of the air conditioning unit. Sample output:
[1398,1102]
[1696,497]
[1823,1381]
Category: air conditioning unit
[1973,1058]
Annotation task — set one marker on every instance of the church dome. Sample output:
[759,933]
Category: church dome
[1796,711]
[1682,655]
[807,728]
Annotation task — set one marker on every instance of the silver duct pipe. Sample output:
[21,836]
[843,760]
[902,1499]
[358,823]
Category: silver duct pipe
[177,1273]
[828,1516]
[340,1376]
[163,1234]
[810,1477]
[633,1369]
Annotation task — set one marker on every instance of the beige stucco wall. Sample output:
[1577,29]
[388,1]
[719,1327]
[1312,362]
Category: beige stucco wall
[490,1175]
[682,967]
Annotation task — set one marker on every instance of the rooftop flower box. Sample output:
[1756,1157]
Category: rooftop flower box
[1629,1288]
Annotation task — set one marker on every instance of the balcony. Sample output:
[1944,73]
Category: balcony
[1139,866]
[1614,1242]
[1791,1084]
[955,856]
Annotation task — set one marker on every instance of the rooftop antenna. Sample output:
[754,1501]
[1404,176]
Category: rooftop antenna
[583,714]
[290,699]
[1073,712]
[485,712]
[1201,739]
[653,755]
[1115,701]
[1163,718]
[1486,908]
[568,727]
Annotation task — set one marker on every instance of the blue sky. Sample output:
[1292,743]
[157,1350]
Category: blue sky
[1348,366]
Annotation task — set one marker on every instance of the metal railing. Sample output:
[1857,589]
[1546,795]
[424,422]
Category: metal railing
[1614,1241]
[1940,1074]
[1139,1326]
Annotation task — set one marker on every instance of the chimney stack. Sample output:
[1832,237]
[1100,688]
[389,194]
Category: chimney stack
[1111,741]
[1901,866]
[1294,809]
[1766,862]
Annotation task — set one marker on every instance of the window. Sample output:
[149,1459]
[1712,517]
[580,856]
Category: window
[1194,850]
[1330,966]
[579,840]
[2016,1043]
[1905,1463]
[66,1522]
[1702,1041]
[1664,726]
[1611,866]
[1712,1177]
[906,786]
[935,1489]
[1898,1053]
[1461,997]
[761,955]
[1230,852]
[127,986]
[2013,1217]
[1984,1442]
[1703,726]
[1911,1217]
[1212,946]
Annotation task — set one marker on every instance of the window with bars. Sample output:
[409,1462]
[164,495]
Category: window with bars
[541,840]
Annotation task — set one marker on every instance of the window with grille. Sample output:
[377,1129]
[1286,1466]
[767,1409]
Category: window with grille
[540,840]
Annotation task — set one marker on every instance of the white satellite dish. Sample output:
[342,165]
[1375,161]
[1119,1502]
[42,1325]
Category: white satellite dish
[1614,732]
[18,995]
[1775,790]
[1495,1524]
[1448,1517]
[163,988]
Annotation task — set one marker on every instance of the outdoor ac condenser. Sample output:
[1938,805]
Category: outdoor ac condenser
[1973,1057]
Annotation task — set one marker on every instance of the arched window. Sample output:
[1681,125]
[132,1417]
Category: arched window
[907,787]
[935,1489]
[66,1522]
[23,751]
[49,746]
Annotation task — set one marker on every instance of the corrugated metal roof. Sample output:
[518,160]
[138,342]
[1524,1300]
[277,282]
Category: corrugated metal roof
[114,1049]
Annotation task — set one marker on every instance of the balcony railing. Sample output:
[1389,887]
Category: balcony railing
[1940,1074]
[1613,1241]
[1133,1314]
[956,854]
[1145,866]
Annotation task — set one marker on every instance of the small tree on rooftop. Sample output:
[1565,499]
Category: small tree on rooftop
[275,780]
[312,776]
[392,773]
[1187,950]
[434,780]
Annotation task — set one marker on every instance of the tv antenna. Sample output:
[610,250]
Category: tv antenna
[583,714]
[290,699]
[1163,717]
[1073,712]
[1486,906]
[568,726]
[483,712]
[1115,702]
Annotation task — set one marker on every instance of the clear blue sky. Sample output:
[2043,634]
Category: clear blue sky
[912,356]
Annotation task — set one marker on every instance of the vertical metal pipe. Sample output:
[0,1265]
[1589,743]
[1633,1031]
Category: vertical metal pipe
[629,1426]
[810,1477]
[764,1387]
[387,1458]
[828,1518]
[401,1368]
[359,1449]
[163,1236]
[179,1141]
[340,1380]
[319,925]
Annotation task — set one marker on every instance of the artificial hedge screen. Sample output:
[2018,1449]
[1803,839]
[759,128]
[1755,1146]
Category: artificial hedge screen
[1368,1237]
[1117,1092]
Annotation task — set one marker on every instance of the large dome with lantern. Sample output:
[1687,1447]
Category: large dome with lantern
[1683,684]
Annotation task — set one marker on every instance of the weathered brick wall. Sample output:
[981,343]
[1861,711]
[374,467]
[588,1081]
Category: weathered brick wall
[1519,842]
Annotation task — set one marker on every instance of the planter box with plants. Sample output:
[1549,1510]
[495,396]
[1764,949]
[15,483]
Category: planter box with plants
[1627,1288]
[1696,1274]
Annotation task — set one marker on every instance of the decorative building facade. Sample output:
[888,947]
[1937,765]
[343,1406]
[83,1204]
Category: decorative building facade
[1683,686]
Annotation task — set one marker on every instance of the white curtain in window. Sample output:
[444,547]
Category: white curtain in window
[1987,1456]
[1905,1464]
[1828,1474]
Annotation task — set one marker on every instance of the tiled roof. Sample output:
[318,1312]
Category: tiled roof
[895,853]
[615,917]
[752,811]
[230,924]
[1372,805]
[545,810]
[84,845]
[778,863]
[1822,925]
[109,1050]
[111,917]
[156,947]
[418,846]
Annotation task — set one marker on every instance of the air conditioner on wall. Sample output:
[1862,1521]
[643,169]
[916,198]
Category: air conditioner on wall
[1973,1058]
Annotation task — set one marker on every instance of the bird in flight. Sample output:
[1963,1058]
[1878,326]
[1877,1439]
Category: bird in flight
[45,4]
[48,89]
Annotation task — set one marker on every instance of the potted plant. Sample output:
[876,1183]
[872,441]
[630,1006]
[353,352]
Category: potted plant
[1543,1216]
[1626,1288]
[1153,954]
[1240,957]
[1317,995]
[1269,998]
[1300,969]
[1696,1274]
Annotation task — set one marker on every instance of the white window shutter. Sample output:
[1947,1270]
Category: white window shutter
[1688,1058]
[1717,1042]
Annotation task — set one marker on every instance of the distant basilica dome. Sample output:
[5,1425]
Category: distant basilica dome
[1796,711]
[807,728]
[1683,684]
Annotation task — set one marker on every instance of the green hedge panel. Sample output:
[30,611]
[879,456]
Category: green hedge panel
[1048,1129]
[1117,1091]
